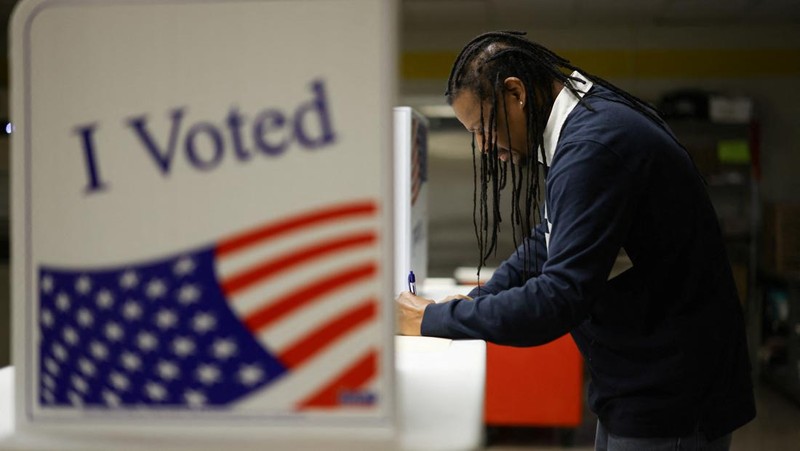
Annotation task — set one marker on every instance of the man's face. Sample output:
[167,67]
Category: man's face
[468,111]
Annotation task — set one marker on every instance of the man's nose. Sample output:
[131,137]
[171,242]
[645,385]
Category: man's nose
[479,143]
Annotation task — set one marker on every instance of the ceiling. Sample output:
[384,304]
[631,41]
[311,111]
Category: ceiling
[419,14]
[520,14]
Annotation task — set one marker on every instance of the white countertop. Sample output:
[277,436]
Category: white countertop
[6,401]
[440,387]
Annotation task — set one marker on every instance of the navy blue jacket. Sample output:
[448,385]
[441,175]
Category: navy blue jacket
[664,341]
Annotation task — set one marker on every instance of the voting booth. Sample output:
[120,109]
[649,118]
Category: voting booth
[202,226]
[411,196]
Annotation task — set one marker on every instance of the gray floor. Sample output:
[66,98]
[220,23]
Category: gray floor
[776,428]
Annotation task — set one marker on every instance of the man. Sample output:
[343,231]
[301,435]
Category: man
[663,336]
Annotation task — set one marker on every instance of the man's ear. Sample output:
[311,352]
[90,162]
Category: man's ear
[515,89]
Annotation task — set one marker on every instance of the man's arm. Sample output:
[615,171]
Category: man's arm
[409,308]
[511,273]
[592,198]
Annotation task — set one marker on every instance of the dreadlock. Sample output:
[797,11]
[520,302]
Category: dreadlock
[482,68]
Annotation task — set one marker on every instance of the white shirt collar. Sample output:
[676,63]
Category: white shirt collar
[562,106]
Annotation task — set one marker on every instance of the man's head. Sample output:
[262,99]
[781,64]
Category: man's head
[511,143]
[502,89]
[508,84]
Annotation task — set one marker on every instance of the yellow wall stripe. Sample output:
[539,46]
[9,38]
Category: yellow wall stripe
[643,64]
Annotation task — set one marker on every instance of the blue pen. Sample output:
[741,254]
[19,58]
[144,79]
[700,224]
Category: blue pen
[412,283]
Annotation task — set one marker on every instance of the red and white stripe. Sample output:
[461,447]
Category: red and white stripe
[306,286]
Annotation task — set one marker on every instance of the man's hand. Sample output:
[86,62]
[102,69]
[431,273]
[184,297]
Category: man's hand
[409,309]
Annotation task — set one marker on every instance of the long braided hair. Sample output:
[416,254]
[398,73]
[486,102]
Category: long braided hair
[482,68]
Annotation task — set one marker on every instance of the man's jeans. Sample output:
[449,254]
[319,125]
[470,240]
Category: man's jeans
[605,441]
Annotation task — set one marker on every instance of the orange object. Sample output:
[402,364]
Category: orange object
[538,386]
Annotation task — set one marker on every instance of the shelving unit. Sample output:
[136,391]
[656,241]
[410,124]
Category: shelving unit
[780,350]
[727,156]
[770,293]
[733,186]
[779,294]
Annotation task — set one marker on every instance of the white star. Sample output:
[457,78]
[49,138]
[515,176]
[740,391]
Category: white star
[155,391]
[49,397]
[130,361]
[98,350]
[194,398]
[223,348]
[51,365]
[111,399]
[250,375]
[104,299]
[183,346]
[132,310]
[79,384]
[119,381]
[83,285]
[87,367]
[184,266]
[63,301]
[168,370]
[203,322]
[60,352]
[207,374]
[49,382]
[155,289]
[114,331]
[146,341]
[85,317]
[70,336]
[188,294]
[47,318]
[166,319]
[75,399]
[47,284]
[129,279]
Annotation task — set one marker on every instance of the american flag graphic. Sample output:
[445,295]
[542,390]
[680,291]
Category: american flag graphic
[284,316]
[419,157]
